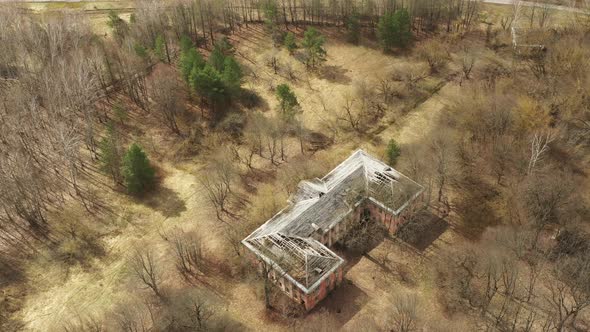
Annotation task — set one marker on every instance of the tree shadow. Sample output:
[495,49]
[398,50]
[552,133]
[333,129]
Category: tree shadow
[423,230]
[475,207]
[167,202]
[251,100]
[334,74]
[344,302]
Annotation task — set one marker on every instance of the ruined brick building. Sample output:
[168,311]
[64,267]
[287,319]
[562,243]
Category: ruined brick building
[293,246]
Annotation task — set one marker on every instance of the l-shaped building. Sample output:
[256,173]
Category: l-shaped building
[293,246]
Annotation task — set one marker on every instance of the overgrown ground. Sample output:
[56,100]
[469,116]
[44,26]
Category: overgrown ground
[60,294]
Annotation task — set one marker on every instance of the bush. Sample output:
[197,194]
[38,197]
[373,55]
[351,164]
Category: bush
[436,54]
[233,125]
[191,145]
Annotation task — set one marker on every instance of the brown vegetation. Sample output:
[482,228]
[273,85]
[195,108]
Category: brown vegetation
[499,137]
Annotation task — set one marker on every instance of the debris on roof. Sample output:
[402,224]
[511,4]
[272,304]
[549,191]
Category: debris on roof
[286,241]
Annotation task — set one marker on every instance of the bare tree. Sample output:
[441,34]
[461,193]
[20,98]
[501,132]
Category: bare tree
[405,312]
[218,184]
[539,146]
[167,99]
[145,269]
[188,252]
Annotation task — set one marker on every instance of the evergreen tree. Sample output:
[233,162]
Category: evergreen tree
[189,60]
[208,83]
[287,100]
[217,59]
[118,25]
[137,171]
[393,152]
[140,50]
[225,47]
[160,48]
[313,42]
[290,42]
[232,75]
[271,13]
[405,28]
[185,44]
[353,27]
[120,112]
[110,153]
[394,30]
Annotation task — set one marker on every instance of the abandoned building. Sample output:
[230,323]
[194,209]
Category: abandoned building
[293,246]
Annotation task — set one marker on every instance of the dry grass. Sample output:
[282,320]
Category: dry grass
[59,295]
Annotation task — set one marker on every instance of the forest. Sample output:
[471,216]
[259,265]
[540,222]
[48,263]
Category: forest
[140,144]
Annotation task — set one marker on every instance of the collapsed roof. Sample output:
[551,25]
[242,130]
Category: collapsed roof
[285,241]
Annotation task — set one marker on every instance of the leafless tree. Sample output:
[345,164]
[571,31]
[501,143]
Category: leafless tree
[491,273]
[130,317]
[405,312]
[167,99]
[539,146]
[467,63]
[145,269]
[435,53]
[442,163]
[218,184]
[188,252]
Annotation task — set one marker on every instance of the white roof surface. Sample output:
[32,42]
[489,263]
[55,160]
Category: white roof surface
[286,240]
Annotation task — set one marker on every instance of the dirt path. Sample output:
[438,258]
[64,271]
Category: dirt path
[419,122]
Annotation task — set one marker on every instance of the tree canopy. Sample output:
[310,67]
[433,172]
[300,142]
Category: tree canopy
[290,42]
[313,42]
[393,152]
[189,60]
[137,171]
[394,30]
[287,99]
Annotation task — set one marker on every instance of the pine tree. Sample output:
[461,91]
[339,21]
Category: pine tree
[394,30]
[185,44]
[405,28]
[137,171]
[313,42]
[232,75]
[110,153]
[217,59]
[353,27]
[208,83]
[287,100]
[118,25]
[189,60]
[160,48]
[290,42]
[393,152]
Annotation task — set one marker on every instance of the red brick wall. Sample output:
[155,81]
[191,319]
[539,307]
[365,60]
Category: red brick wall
[334,279]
